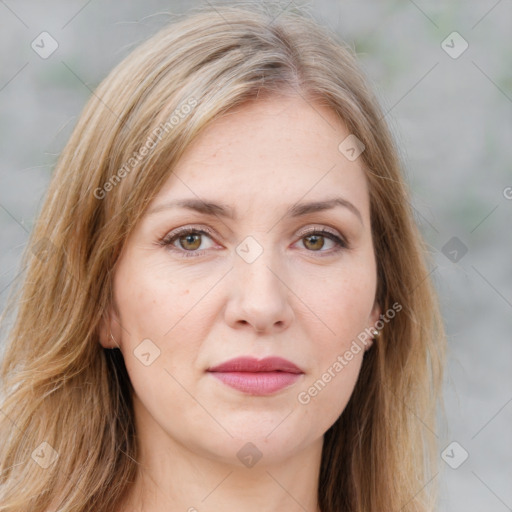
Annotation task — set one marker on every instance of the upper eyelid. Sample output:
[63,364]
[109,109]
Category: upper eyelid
[184,229]
[210,232]
[310,227]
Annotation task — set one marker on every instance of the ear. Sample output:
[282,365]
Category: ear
[109,329]
[374,315]
[372,320]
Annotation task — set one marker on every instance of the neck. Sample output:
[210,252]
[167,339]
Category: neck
[174,477]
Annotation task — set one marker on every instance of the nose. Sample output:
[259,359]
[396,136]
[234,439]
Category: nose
[259,298]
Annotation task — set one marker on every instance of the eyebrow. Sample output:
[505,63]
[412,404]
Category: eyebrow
[223,210]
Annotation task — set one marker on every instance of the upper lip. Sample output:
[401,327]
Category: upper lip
[251,364]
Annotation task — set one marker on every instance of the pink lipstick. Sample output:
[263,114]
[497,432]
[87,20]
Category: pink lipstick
[257,376]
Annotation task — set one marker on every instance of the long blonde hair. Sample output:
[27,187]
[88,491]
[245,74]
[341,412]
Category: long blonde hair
[67,401]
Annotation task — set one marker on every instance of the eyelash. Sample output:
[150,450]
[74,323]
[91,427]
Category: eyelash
[167,241]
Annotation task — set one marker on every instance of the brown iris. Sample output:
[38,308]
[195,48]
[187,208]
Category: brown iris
[317,242]
[193,240]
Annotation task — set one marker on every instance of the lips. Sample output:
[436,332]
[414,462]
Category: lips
[257,376]
[250,364]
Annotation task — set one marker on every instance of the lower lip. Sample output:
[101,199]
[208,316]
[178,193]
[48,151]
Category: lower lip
[261,383]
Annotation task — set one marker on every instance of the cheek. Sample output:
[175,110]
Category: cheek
[342,305]
[325,395]
[150,305]
[161,318]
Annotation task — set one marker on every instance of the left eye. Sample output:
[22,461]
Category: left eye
[189,241]
[316,240]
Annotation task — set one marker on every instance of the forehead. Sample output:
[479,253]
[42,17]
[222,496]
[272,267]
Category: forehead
[274,149]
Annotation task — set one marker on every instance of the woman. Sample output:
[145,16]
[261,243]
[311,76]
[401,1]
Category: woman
[225,300]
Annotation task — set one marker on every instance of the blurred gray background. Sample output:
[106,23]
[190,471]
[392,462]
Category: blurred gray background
[443,73]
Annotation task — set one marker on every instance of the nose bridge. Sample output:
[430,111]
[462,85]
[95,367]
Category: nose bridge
[255,267]
[258,296]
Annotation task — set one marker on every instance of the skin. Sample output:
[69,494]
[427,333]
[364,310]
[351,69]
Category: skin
[298,299]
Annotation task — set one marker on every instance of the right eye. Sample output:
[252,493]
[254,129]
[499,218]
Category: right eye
[186,241]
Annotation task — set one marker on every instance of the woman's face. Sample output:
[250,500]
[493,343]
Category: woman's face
[249,279]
